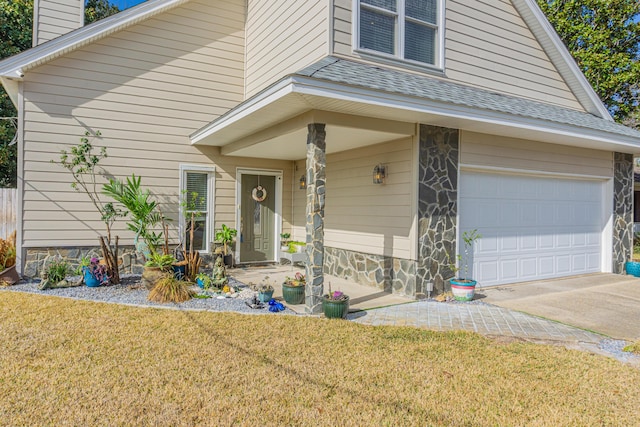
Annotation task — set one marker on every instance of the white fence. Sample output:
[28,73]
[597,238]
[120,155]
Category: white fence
[8,210]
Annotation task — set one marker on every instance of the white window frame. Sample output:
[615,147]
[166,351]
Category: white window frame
[211,185]
[399,36]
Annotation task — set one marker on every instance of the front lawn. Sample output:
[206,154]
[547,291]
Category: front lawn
[83,363]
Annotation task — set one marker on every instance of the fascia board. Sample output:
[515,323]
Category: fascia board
[425,106]
[322,89]
[82,36]
[268,96]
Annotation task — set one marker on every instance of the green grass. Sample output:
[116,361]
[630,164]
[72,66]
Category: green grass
[81,363]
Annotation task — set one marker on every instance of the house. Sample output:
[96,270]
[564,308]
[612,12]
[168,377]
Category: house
[470,114]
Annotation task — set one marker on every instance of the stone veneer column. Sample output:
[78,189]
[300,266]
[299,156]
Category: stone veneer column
[622,211]
[316,164]
[437,206]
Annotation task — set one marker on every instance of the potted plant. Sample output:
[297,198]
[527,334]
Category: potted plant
[95,273]
[264,290]
[335,305]
[54,274]
[8,273]
[293,289]
[156,268]
[284,241]
[463,288]
[225,236]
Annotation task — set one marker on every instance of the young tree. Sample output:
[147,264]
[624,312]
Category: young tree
[604,38]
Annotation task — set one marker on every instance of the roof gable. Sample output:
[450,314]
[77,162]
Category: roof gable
[12,69]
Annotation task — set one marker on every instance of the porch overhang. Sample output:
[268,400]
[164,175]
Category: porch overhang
[272,123]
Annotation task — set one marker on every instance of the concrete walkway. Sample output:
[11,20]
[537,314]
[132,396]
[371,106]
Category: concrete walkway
[371,306]
[602,302]
[484,319]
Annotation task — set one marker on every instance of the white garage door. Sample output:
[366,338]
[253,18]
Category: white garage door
[532,228]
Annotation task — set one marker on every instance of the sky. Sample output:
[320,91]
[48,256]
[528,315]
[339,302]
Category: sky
[125,4]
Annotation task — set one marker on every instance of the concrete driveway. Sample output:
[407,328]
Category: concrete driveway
[605,303]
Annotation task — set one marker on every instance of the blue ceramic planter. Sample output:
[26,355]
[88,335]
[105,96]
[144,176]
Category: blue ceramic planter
[89,279]
[632,268]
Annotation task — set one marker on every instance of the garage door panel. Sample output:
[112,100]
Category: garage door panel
[532,227]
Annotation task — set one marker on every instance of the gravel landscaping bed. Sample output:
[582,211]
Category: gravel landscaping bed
[132,292]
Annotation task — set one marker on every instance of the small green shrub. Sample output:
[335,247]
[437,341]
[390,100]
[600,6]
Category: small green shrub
[169,289]
[633,348]
[56,270]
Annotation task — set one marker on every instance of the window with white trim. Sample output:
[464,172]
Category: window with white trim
[409,30]
[196,201]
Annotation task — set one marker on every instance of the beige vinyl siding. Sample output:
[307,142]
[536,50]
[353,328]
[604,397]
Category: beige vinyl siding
[146,89]
[55,18]
[282,38]
[359,215]
[492,151]
[487,45]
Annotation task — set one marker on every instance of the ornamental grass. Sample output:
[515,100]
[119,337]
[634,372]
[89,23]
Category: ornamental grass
[170,289]
[69,362]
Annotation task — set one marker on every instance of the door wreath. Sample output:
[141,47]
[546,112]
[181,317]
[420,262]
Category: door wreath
[259,193]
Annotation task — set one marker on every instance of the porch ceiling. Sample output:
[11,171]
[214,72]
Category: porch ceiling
[273,123]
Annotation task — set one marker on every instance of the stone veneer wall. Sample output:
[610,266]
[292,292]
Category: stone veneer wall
[386,273]
[622,211]
[437,206]
[130,262]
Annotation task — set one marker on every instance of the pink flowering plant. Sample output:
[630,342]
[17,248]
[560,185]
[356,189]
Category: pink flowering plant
[298,280]
[97,270]
[336,295]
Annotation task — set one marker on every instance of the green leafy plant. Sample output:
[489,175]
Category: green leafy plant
[169,289]
[160,261]
[469,238]
[144,213]
[633,348]
[190,203]
[56,270]
[298,280]
[293,246]
[82,162]
[225,236]
[205,279]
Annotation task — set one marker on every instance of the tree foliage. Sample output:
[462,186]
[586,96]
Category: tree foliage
[16,20]
[95,10]
[604,38]
[16,23]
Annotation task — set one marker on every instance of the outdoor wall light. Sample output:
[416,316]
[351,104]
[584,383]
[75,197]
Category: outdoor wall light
[303,182]
[379,174]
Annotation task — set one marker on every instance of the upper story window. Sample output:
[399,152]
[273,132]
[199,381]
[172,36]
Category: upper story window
[409,30]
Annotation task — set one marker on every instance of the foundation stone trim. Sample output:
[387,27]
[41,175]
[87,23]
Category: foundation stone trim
[389,274]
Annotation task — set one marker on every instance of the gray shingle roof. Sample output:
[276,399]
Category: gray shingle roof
[371,77]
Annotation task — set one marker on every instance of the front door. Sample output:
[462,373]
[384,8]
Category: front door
[257,218]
